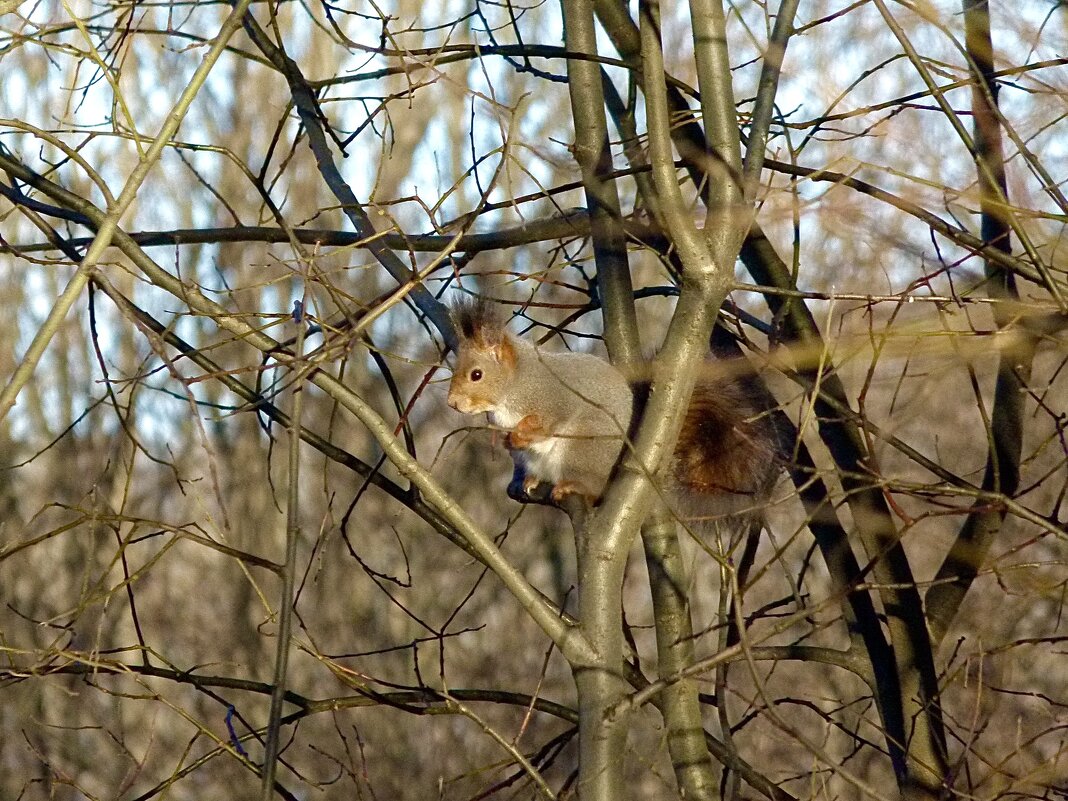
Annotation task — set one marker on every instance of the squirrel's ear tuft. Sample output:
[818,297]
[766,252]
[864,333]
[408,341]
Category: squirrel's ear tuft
[477,320]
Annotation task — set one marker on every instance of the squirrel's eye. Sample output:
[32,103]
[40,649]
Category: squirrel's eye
[476,375]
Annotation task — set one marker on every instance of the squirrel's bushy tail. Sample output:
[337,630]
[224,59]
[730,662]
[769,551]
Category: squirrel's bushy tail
[726,447]
[728,455]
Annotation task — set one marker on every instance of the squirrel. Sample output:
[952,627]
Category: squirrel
[568,416]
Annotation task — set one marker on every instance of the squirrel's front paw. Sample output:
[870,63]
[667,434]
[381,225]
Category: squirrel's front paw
[526,432]
[514,441]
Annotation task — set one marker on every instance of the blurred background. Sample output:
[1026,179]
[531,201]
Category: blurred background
[143,498]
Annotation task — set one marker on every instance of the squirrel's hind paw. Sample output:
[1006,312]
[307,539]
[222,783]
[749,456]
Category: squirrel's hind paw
[565,488]
[530,489]
[526,489]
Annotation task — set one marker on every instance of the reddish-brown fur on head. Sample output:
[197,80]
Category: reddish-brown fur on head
[486,358]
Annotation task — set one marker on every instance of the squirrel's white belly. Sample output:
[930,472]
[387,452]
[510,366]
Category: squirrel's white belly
[546,459]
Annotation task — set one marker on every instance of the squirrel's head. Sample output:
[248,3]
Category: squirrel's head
[485,359]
